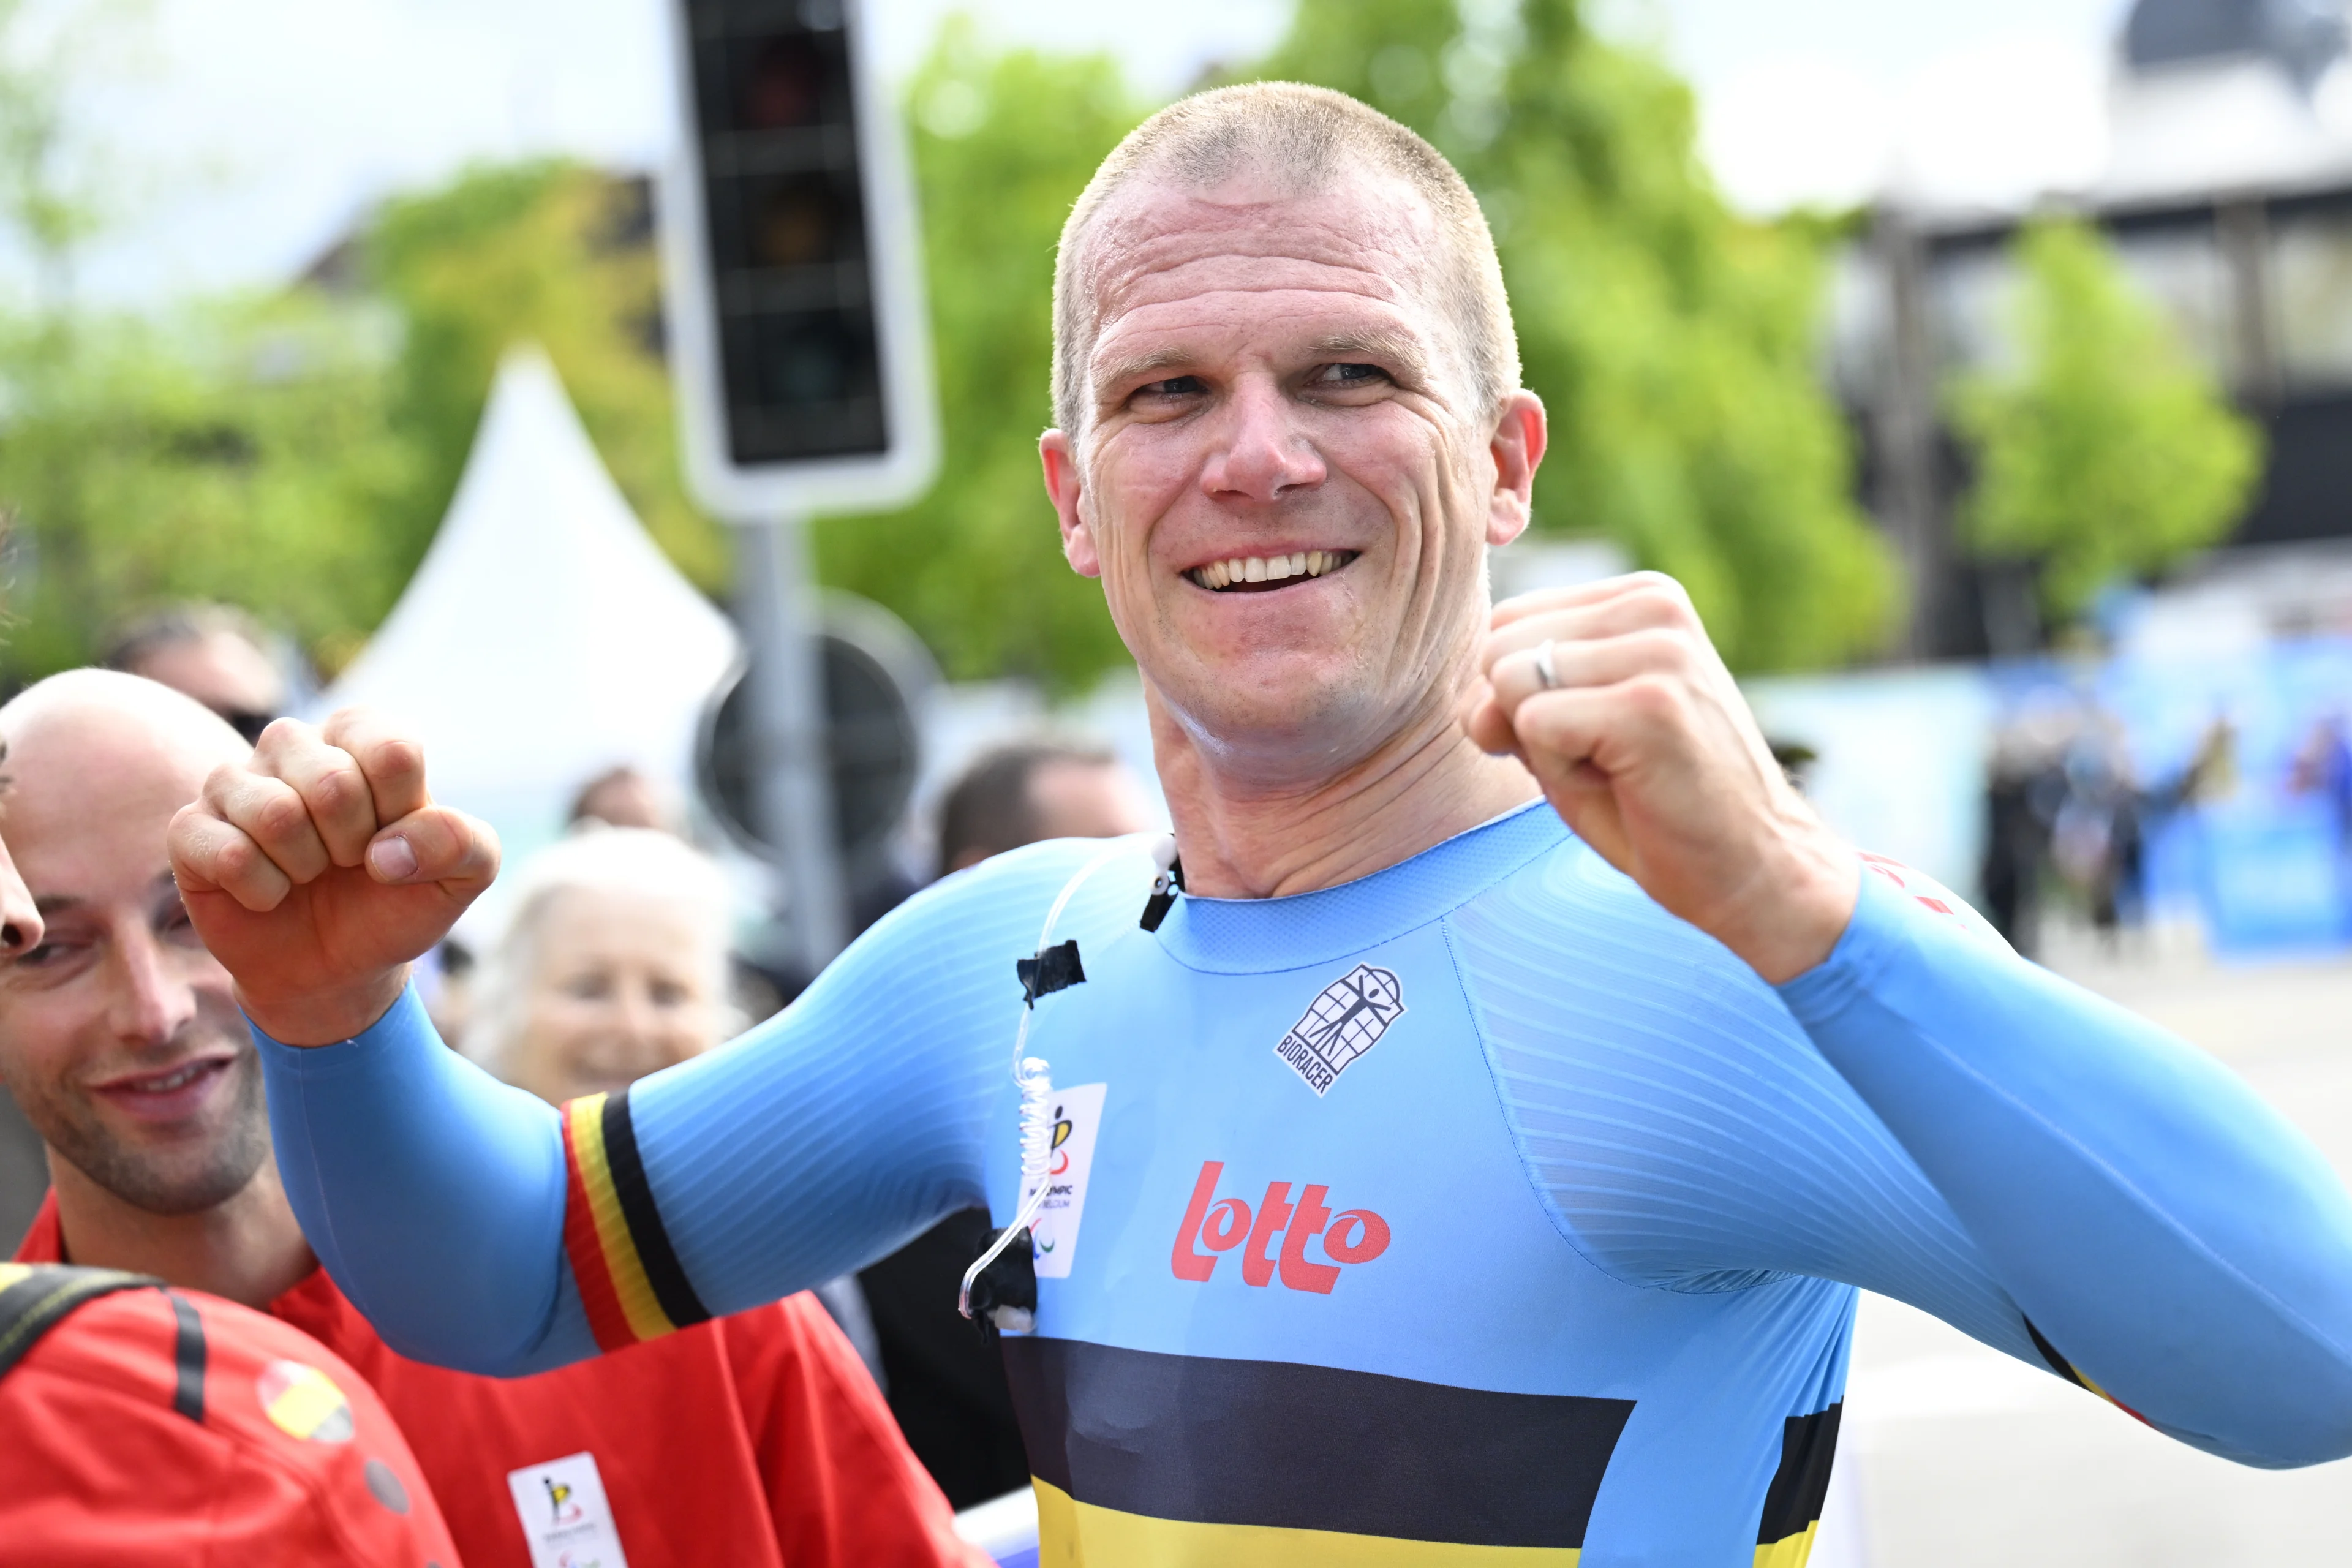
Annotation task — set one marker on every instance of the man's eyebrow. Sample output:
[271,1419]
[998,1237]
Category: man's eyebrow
[1121,372]
[57,903]
[1399,349]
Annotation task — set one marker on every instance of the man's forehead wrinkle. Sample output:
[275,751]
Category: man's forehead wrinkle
[1158,228]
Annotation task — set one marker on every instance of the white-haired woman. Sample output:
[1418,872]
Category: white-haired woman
[755,1439]
[613,965]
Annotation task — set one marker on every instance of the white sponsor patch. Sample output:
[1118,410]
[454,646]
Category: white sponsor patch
[564,1515]
[1341,1024]
[1078,1117]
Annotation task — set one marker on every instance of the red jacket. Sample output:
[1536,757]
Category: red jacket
[756,1441]
[111,1458]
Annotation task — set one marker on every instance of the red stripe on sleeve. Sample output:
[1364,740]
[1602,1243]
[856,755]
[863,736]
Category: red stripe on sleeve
[586,1250]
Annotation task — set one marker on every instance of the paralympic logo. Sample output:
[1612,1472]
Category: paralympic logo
[1221,1224]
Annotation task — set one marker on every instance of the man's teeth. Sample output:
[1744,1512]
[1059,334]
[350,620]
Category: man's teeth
[1268,568]
[164,1083]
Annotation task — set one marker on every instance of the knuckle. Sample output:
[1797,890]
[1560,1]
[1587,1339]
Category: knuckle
[1655,697]
[282,816]
[396,757]
[340,791]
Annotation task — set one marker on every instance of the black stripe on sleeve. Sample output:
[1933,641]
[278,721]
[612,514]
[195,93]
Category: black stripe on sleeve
[1802,1485]
[2058,1363]
[663,1270]
[1285,1445]
[187,1358]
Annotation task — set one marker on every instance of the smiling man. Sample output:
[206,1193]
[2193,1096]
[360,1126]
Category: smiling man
[1475,1164]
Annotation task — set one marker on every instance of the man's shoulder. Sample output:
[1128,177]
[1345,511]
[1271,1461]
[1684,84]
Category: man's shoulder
[1568,922]
[1008,896]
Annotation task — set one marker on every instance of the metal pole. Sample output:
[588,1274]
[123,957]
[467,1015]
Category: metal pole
[793,791]
[1906,501]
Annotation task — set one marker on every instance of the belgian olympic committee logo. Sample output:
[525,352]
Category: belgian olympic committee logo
[1341,1024]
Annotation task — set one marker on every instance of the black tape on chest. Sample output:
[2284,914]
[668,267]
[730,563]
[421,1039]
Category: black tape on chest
[1056,969]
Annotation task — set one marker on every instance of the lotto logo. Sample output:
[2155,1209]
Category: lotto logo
[1221,1224]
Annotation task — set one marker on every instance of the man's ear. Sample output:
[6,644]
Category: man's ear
[1517,448]
[1060,457]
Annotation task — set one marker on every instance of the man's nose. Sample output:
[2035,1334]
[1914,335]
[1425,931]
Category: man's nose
[20,922]
[1264,453]
[148,1002]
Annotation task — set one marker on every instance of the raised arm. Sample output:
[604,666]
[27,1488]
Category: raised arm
[477,1226]
[2158,1234]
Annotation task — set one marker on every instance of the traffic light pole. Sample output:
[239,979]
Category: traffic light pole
[794,779]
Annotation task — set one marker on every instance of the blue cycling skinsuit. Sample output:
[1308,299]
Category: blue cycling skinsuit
[1477,1212]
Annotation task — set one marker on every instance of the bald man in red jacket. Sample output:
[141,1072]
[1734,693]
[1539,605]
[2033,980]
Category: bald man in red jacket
[757,1440]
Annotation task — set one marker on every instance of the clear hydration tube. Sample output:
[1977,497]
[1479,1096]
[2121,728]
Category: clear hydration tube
[1033,1077]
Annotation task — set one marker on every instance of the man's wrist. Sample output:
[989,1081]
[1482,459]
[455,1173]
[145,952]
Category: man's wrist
[1801,908]
[325,1018]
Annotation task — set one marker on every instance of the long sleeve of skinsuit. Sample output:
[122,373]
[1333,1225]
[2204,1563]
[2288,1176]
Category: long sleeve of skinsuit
[1665,1152]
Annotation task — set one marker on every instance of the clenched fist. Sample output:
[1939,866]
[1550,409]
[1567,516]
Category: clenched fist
[1645,747]
[318,870]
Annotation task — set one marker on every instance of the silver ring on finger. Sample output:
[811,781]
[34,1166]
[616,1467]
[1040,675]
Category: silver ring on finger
[1547,674]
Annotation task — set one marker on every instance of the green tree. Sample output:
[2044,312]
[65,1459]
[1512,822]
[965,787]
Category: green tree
[2106,449]
[1673,343]
[235,451]
[1003,144]
[553,253]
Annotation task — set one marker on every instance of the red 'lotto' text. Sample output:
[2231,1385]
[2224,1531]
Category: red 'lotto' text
[1221,1224]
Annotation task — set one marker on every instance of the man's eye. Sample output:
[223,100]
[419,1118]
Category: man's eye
[49,955]
[1350,375]
[1174,387]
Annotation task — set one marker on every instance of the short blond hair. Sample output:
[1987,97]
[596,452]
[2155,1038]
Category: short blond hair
[1306,137]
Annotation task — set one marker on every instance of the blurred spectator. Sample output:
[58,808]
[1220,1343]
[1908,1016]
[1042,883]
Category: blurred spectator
[1035,790]
[614,965]
[215,653]
[753,1439]
[23,1169]
[624,796]
[946,1384]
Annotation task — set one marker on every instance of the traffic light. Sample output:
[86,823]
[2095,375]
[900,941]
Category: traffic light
[796,312]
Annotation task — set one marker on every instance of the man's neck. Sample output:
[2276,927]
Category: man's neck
[249,1249]
[1241,838]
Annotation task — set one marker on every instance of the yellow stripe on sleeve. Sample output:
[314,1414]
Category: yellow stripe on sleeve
[638,1303]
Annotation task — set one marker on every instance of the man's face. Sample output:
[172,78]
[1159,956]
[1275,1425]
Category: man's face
[1272,380]
[120,1034]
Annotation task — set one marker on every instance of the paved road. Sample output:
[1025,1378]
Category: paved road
[1955,1455]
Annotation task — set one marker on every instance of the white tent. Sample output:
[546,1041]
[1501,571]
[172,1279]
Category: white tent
[544,638]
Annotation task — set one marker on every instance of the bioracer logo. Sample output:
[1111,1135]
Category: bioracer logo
[1339,1026]
[1221,1224]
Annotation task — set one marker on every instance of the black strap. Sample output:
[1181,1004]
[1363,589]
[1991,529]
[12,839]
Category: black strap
[39,1297]
[187,1358]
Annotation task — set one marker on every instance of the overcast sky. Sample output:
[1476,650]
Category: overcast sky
[260,128]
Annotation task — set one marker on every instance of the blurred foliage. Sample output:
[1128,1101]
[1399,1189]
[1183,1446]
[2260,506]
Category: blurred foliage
[1673,343]
[555,254]
[295,455]
[2107,450]
[236,449]
[1003,144]
[235,452]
